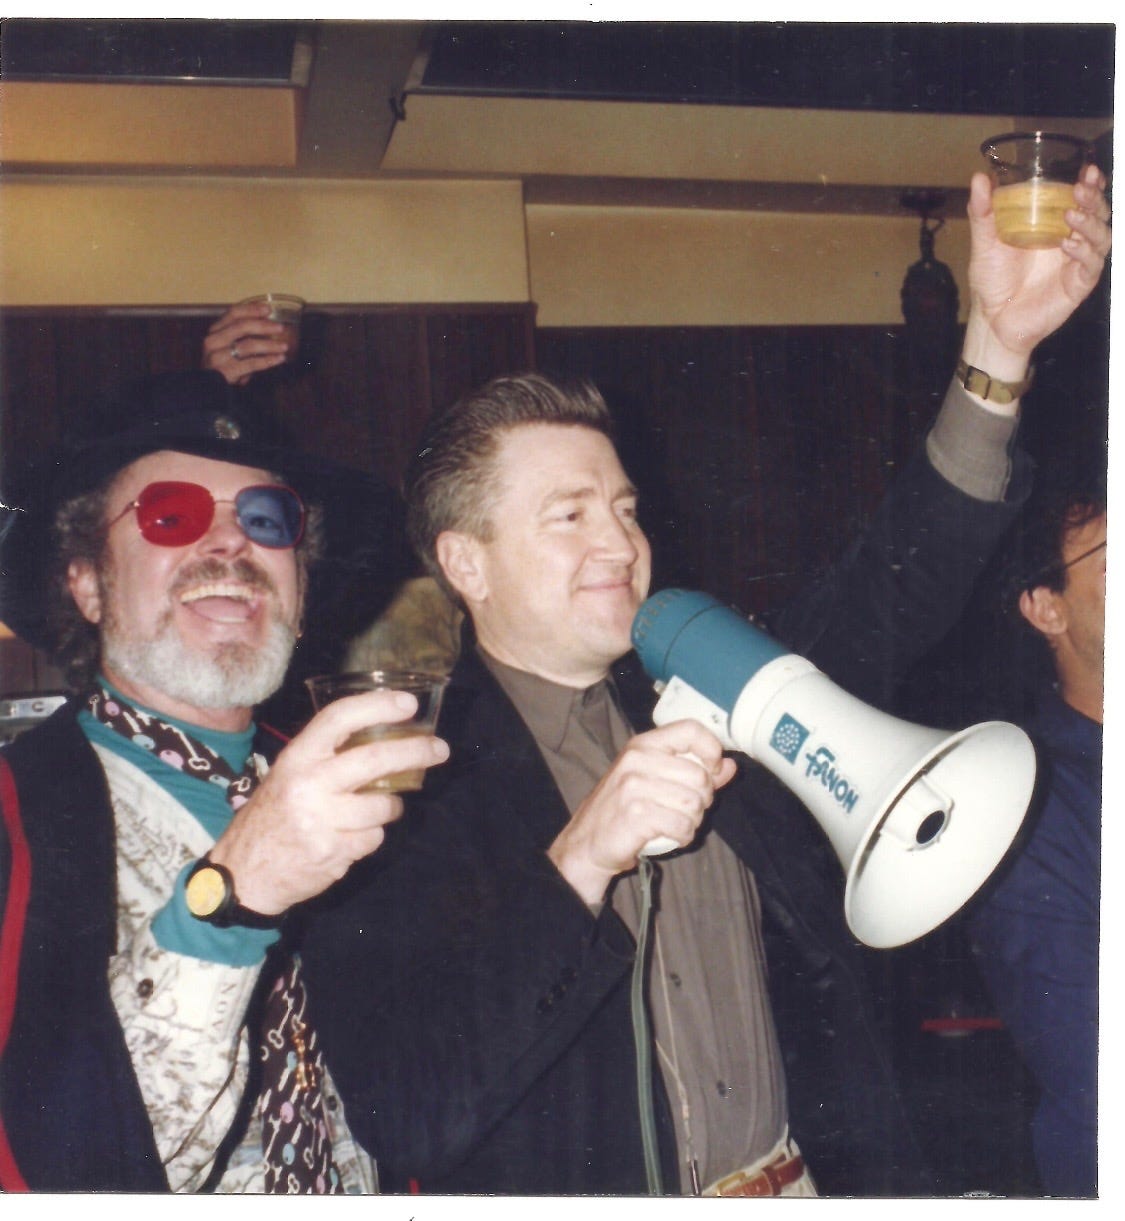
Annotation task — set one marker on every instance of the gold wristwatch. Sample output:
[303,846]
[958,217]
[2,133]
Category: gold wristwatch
[209,893]
[977,382]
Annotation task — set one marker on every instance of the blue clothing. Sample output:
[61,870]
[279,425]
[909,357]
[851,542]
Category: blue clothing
[1035,934]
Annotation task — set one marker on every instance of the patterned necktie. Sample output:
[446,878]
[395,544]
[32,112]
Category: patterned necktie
[295,1139]
[296,1146]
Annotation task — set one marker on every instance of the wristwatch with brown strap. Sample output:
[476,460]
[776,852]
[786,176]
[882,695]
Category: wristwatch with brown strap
[984,386]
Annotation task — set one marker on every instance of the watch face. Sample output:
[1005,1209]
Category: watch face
[206,892]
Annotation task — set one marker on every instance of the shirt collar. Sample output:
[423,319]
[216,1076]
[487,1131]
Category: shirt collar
[1064,723]
[547,707]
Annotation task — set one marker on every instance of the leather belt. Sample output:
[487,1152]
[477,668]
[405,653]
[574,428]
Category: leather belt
[768,1181]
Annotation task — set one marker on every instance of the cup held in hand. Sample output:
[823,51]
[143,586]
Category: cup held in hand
[427,688]
[1033,174]
[286,309]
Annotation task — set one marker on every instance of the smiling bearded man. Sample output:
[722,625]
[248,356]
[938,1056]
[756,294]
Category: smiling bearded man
[209,680]
[154,1031]
[226,672]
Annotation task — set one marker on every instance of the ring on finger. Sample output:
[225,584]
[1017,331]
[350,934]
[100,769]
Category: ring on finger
[235,353]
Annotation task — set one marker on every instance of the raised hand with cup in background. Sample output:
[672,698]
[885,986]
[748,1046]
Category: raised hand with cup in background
[252,336]
[1020,295]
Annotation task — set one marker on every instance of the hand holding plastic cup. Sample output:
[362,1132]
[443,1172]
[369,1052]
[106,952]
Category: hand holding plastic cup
[286,309]
[427,688]
[1034,173]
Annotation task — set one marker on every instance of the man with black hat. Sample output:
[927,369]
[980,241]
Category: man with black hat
[152,1012]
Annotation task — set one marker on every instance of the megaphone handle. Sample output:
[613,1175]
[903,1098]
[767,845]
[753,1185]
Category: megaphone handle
[661,845]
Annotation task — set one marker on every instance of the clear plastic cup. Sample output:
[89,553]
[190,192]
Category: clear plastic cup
[1034,173]
[427,688]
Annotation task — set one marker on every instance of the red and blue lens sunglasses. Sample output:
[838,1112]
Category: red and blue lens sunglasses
[177,514]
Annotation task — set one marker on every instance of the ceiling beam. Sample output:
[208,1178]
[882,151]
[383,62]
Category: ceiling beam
[359,73]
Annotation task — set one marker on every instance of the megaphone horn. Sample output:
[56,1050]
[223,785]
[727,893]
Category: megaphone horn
[918,817]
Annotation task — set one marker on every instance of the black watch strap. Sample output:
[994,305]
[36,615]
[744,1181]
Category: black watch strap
[209,892]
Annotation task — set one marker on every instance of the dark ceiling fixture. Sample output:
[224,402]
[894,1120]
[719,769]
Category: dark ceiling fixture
[929,292]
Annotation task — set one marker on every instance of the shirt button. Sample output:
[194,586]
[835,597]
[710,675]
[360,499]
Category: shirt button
[722,1088]
[145,989]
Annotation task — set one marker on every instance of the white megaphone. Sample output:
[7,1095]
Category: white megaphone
[918,817]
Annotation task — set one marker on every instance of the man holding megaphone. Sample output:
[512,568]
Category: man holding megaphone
[479,1005]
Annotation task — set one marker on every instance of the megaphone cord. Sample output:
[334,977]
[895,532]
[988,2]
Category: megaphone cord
[670,1061]
[641,1039]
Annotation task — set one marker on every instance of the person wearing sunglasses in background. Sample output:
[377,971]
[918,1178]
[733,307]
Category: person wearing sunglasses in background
[1035,929]
[153,1024]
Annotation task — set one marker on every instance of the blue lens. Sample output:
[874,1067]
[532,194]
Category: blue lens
[270,516]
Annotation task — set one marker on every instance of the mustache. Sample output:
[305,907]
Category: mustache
[211,569]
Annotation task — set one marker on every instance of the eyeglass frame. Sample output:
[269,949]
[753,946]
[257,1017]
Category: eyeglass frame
[1043,574]
[135,505]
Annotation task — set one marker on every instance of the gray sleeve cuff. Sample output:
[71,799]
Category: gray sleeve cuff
[970,446]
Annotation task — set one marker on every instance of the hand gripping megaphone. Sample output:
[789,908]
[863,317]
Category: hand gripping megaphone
[918,817]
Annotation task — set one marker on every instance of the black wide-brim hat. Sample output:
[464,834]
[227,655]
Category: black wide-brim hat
[192,412]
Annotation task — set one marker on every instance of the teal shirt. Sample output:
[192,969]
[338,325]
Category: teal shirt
[173,926]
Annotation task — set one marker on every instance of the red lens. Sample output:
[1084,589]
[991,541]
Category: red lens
[174,514]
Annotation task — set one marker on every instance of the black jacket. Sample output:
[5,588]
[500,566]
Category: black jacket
[70,1106]
[475,1015]
[69,1100]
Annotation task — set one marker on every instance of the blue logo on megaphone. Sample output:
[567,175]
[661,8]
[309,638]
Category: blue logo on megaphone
[788,736]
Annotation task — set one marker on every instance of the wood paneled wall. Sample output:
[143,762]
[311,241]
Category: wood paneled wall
[758,450]
[365,382]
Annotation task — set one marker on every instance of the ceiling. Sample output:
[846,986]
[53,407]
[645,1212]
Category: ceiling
[355,83]
[953,68]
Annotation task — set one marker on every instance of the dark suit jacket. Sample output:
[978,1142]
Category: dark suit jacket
[69,1100]
[475,1014]
[72,1117]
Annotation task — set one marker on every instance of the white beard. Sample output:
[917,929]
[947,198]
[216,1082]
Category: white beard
[233,675]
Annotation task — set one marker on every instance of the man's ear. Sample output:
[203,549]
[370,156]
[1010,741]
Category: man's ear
[82,581]
[1044,610]
[462,562]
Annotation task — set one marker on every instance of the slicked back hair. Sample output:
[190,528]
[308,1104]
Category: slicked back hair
[452,482]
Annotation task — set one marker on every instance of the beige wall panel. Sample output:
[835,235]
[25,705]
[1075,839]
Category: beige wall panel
[732,143]
[71,241]
[648,267]
[151,125]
